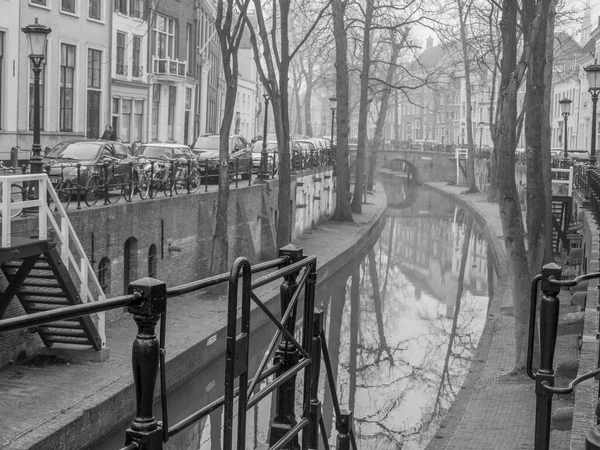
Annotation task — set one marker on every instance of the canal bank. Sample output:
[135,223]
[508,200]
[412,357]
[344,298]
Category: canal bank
[495,409]
[71,405]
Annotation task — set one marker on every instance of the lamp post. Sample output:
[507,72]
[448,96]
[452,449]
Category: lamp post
[263,153]
[37,38]
[593,76]
[565,109]
[332,103]
[481,125]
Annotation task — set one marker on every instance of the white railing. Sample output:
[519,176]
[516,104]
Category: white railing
[562,184]
[461,154]
[168,66]
[71,250]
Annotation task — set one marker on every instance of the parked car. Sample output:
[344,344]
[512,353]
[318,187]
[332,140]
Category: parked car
[579,155]
[206,147]
[62,160]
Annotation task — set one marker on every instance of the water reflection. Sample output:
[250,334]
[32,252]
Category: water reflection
[410,319]
[402,324]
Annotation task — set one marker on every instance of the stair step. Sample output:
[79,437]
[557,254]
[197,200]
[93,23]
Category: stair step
[40,276]
[67,340]
[75,333]
[34,283]
[41,293]
[47,301]
[71,324]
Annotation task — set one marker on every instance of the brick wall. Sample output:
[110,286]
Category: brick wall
[181,229]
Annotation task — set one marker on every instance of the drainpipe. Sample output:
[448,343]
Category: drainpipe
[109,77]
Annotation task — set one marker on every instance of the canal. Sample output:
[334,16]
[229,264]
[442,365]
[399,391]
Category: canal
[403,323]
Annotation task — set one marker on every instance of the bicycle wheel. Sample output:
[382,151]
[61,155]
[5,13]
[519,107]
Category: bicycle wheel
[167,186]
[93,190]
[179,183]
[128,188]
[16,195]
[143,184]
[115,189]
[64,191]
[194,180]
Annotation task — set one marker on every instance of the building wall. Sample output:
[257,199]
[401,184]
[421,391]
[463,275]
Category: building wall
[84,33]
[9,80]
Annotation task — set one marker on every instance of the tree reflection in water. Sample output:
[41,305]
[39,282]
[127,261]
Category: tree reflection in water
[404,345]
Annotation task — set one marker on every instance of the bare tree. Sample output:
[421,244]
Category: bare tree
[229,25]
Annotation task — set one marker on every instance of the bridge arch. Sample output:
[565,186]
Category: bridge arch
[405,166]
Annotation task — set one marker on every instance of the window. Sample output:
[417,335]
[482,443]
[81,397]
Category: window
[121,70]
[121,6]
[164,37]
[67,6]
[171,117]
[39,2]
[136,70]
[189,42]
[136,8]
[95,9]
[126,121]
[93,93]
[104,274]
[152,261]
[115,113]
[138,120]
[32,94]
[155,109]
[197,108]
[67,77]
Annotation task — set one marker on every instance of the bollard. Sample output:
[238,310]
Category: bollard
[288,355]
[343,426]
[549,308]
[145,429]
[105,166]
[14,157]
[206,175]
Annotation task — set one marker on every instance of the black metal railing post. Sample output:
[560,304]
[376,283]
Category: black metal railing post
[314,414]
[105,181]
[343,427]
[287,355]
[145,430]
[78,185]
[549,309]
[206,175]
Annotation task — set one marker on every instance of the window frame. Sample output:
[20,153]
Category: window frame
[94,89]
[89,16]
[63,10]
[62,126]
[123,66]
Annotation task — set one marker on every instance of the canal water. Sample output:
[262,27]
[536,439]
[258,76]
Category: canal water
[403,321]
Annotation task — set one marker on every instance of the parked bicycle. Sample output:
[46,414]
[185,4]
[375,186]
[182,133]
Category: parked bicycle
[105,183]
[18,191]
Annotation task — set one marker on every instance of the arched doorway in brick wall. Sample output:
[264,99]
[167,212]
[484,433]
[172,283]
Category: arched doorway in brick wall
[130,262]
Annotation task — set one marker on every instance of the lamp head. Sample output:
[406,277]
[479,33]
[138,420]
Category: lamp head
[37,38]
[565,106]
[266,96]
[593,75]
[332,102]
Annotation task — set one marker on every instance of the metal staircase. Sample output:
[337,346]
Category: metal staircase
[46,274]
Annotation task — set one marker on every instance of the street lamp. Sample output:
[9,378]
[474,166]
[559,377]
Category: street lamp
[332,103]
[263,153]
[565,109]
[593,76]
[481,125]
[37,38]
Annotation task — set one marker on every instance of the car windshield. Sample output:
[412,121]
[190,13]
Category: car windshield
[154,152]
[82,151]
[207,143]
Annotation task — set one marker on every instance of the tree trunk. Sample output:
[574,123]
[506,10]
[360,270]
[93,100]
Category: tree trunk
[308,78]
[536,156]
[547,133]
[343,211]
[492,195]
[363,111]
[463,16]
[509,206]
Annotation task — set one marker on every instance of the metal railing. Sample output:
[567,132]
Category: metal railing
[169,66]
[551,282]
[147,302]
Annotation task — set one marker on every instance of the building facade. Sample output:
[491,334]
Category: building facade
[10,35]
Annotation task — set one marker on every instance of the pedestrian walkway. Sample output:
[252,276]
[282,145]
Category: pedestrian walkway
[496,409]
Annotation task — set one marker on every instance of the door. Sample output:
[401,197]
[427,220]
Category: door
[93,114]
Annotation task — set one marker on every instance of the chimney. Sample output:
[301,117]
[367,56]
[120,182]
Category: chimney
[430,40]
